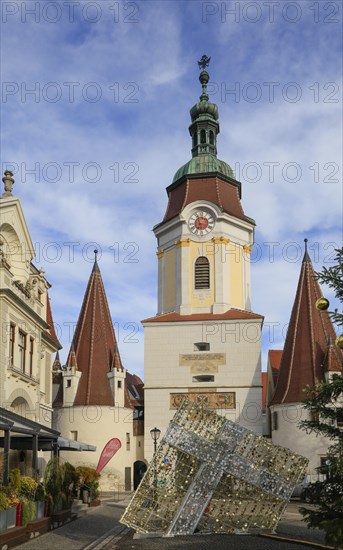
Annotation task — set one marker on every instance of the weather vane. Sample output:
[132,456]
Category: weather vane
[204,62]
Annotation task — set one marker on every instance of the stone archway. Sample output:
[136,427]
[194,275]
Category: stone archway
[20,403]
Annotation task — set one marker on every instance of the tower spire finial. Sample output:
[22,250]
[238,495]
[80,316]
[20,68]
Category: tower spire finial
[306,255]
[95,266]
[204,62]
[204,76]
[205,127]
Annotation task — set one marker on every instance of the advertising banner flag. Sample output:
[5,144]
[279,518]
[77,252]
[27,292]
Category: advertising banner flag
[108,452]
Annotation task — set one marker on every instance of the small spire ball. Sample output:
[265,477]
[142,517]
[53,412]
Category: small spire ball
[322,304]
[339,341]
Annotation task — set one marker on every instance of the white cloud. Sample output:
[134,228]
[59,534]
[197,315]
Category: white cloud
[142,123]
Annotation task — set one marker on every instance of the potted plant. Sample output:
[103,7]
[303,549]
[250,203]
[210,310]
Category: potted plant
[3,510]
[89,484]
[8,508]
[70,481]
[25,488]
[40,497]
[28,511]
[53,481]
[13,502]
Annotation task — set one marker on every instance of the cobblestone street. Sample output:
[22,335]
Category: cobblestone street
[99,529]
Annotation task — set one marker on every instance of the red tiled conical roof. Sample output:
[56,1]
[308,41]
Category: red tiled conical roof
[51,330]
[306,347]
[56,366]
[94,345]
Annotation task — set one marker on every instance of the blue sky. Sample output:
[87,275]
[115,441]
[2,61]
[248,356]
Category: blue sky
[107,128]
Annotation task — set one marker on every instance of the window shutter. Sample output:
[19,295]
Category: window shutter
[202,273]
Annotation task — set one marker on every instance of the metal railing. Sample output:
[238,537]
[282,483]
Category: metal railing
[119,492]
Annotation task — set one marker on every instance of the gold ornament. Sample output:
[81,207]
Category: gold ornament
[339,341]
[322,304]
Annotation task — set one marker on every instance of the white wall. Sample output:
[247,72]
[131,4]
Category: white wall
[238,340]
[96,425]
[290,435]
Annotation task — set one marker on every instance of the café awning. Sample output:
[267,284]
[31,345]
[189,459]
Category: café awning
[20,433]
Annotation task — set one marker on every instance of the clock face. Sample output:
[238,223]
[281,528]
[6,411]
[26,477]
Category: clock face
[201,222]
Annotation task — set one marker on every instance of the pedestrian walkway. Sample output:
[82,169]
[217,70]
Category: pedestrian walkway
[99,529]
[209,542]
[82,532]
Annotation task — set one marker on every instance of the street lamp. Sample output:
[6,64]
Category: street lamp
[155,434]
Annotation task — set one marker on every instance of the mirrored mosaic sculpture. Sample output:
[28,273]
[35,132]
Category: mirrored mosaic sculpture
[211,475]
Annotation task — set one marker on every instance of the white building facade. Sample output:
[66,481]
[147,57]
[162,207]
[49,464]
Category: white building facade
[28,338]
[205,342]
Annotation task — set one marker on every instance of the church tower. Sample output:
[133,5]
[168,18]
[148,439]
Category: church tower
[204,341]
[309,356]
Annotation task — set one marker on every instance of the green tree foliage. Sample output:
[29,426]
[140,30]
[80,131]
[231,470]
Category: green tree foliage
[89,479]
[325,403]
[53,480]
[333,277]
[60,480]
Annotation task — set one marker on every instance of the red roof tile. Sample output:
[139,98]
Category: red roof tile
[57,363]
[275,356]
[94,345]
[72,361]
[134,395]
[332,362]
[51,330]
[264,376]
[230,315]
[212,189]
[306,344]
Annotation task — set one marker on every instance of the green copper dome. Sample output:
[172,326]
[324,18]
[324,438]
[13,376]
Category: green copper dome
[204,129]
[204,164]
[204,110]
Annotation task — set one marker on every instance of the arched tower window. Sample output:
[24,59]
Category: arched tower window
[211,137]
[195,139]
[202,273]
[202,136]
